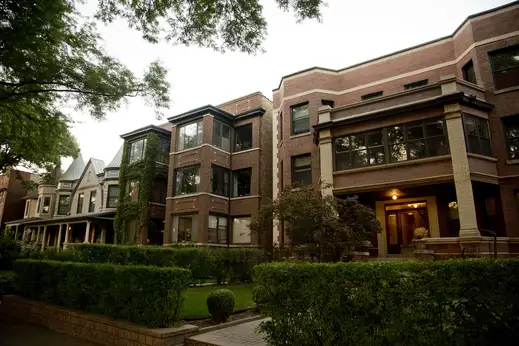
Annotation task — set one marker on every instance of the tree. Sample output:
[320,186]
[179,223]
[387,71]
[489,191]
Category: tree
[326,227]
[50,56]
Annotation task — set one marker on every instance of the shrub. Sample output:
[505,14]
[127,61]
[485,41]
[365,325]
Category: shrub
[260,295]
[456,302]
[6,282]
[220,304]
[218,263]
[9,252]
[144,295]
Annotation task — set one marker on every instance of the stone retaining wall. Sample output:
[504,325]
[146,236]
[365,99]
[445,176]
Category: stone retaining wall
[94,328]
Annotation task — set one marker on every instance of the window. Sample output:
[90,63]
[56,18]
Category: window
[330,103]
[505,66]
[137,149]
[132,189]
[477,135]
[65,185]
[38,205]
[241,234]
[92,202]
[469,74]
[219,180]
[300,119]
[217,229]
[222,136]
[280,127]
[163,146]
[112,173]
[63,204]
[243,138]
[46,205]
[302,169]
[190,136]
[391,144]
[113,196]
[241,182]
[187,180]
[416,84]
[281,185]
[372,95]
[80,198]
[158,191]
[187,226]
[512,136]
[27,207]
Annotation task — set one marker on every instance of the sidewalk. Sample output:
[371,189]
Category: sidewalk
[239,335]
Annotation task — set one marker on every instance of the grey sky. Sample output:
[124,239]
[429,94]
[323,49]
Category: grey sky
[352,31]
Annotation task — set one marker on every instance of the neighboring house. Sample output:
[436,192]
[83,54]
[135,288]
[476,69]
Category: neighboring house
[72,207]
[427,136]
[220,172]
[12,206]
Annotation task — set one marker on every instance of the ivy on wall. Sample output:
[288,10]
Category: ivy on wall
[144,171]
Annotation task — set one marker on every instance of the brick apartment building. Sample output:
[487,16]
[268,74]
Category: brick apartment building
[220,172]
[427,136]
[12,191]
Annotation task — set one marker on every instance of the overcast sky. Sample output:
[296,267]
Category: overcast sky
[352,31]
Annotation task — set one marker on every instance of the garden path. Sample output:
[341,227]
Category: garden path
[239,335]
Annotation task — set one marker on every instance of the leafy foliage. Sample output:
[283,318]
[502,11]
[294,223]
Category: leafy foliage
[9,252]
[220,304]
[218,24]
[219,263]
[327,227]
[455,302]
[144,295]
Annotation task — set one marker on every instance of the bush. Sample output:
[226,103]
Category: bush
[260,295]
[9,252]
[6,283]
[144,295]
[220,304]
[456,302]
[218,263]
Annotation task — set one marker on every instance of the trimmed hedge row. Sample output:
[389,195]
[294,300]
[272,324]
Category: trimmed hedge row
[144,295]
[456,302]
[234,264]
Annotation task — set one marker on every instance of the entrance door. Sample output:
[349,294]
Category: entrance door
[401,221]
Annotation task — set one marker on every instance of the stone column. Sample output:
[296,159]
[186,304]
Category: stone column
[58,243]
[326,152]
[38,235]
[43,237]
[24,234]
[87,232]
[461,170]
[33,235]
[67,235]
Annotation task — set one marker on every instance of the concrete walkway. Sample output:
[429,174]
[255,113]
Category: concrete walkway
[239,335]
[21,334]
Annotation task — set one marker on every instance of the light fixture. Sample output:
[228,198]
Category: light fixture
[394,197]
[416,205]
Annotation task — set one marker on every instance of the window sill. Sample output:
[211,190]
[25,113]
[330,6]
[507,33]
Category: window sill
[512,162]
[502,91]
[301,135]
[393,165]
[482,157]
[245,197]
[245,151]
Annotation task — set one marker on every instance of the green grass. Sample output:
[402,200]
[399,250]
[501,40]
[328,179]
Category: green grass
[195,297]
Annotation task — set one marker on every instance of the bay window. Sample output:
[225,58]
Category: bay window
[190,136]
[217,229]
[220,181]
[187,180]
[222,136]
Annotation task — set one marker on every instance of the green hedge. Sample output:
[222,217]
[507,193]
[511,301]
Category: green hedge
[9,252]
[456,302]
[144,295]
[233,264]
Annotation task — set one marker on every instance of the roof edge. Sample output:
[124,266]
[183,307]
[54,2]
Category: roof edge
[142,130]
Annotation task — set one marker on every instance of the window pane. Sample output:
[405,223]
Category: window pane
[217,130]
[302,161]
[375,138]
[359,158]
[219,180]
[342,161]
[63,205]
[243,136]
[437,146]
[506,59]
[113,196]
[190,136]
[300,112]
[301,125]
[398,152]
[358,142]
[416,149]
[512,126]
[226,138]
[222,230]
[396,134]
[342,144]
[435,128]
[241,182]
[470,126]
[376,156]
[212,229]
[513,148]
[241,233]
[137,150]
[486,147]
[92,202]
[474,144]
[483,128]
[414,132]
[507,78]
[187,180]
[468,72]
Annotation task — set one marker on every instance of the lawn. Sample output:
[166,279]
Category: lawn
[195,305]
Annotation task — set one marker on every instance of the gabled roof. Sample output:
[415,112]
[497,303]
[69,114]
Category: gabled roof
[116,161]
[74,170]
[99,165]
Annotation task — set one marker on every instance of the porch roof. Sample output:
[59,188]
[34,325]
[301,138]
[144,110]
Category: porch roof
[35,221]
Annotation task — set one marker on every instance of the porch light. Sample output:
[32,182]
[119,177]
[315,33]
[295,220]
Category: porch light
[415,205]
[394,197]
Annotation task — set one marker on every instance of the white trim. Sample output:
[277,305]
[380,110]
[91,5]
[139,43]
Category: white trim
[246,151]
[488,40]
[199,147]
[244,197]
[197,194]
